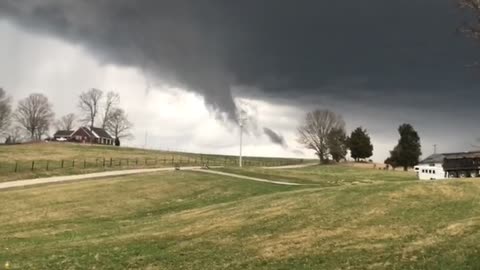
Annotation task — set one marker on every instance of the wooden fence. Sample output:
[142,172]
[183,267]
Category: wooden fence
[124,163]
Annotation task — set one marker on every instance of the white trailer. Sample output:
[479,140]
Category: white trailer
[430,171]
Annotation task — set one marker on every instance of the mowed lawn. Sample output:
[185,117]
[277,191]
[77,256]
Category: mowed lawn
[325,175]
[186,220]
[27,161]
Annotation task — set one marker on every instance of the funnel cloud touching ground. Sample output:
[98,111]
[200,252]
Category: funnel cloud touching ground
[379,63]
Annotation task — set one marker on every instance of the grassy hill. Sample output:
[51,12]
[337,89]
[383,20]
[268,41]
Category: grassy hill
[352,219]
[48,159]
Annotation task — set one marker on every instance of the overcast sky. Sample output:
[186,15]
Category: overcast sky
[183,67]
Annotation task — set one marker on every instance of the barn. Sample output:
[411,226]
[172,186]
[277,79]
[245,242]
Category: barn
[462,165]
[92,135]
[449,165]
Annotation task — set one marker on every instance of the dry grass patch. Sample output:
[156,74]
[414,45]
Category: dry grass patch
[443,191]
[290,244]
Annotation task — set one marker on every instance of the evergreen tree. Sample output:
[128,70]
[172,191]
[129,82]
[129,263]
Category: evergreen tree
[337,144]
[360,145]
[408,150]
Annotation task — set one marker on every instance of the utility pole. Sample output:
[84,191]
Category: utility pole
[146,139]
[241,141]
[434,149]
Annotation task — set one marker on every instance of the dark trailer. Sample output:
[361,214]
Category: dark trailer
[462,164]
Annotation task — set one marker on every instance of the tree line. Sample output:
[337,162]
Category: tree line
[33,117]
[324,132]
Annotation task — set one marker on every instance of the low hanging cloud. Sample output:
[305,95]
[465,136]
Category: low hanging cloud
[275,137]
[282,48]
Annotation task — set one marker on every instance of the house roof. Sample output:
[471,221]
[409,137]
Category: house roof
[95,132]
[439,158]
[101,133]
[87,131]
[473,154]
[63,133]
[435,158]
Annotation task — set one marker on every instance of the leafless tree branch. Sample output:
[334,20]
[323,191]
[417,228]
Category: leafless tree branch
[67,122]
[89,105]
[111,102]
[5,111]
[34,114]
[315,130]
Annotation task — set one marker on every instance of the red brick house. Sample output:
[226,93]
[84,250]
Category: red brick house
[92,135]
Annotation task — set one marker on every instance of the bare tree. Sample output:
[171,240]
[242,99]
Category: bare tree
[34,114]
[14,135]
[112,101]
[314,132]
[89,104]
[118,124]
[67,122]
[5,111]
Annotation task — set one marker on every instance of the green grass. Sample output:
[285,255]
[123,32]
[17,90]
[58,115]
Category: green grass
[325,175]
[52,159]
[186,220]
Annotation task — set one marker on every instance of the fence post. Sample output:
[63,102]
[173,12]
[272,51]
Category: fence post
[16,166]
[173,159]
[136,161]
[104,162]
[111,162]
[33,165]
[48,164]
[73,163]
[84,164]
[62,163]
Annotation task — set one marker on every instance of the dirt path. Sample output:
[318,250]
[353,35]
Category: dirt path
[248,178]
[291,166]
[67,178]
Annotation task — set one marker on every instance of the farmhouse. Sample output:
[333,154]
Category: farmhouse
[63,135]
[92,135]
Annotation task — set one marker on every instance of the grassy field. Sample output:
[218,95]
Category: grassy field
[51,159]
[186,220]
[328,175]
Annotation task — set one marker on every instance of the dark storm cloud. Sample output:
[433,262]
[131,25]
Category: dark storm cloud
[275,137]
[370,52]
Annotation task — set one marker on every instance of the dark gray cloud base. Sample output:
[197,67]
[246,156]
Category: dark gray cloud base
[371,52]
[275,137]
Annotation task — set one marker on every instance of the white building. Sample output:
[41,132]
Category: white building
[431,168]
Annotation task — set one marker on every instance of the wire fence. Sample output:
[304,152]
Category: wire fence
[125,163]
